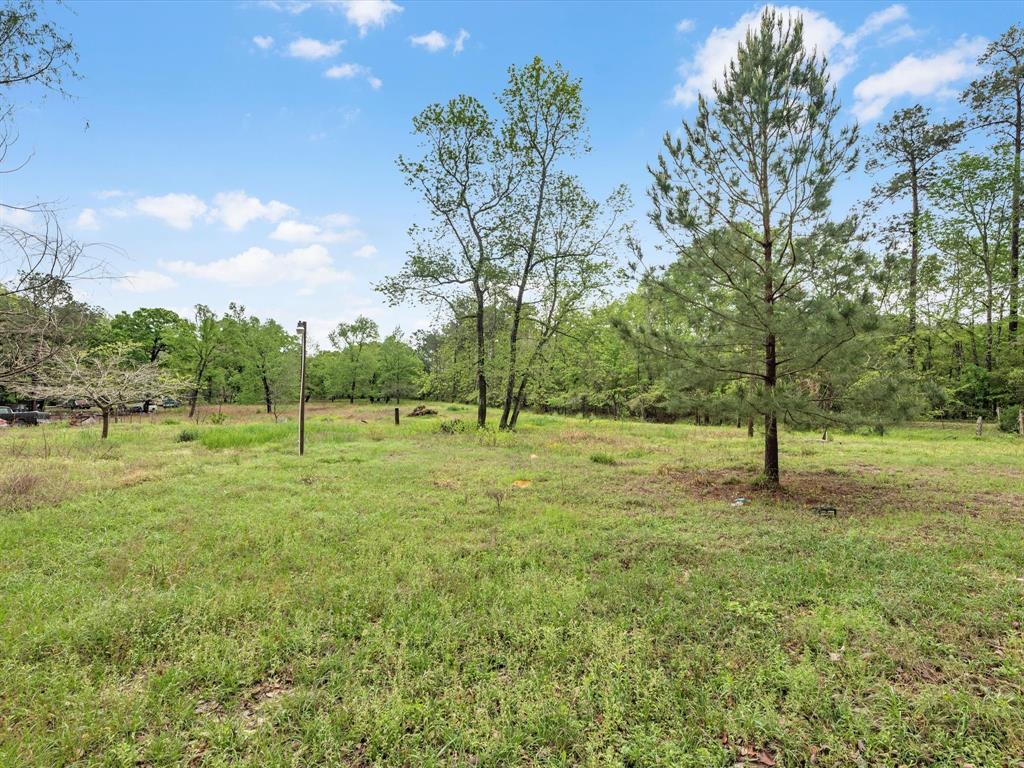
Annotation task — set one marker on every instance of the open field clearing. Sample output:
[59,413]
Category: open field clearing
[576,593]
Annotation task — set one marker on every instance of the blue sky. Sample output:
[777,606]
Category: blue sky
[244,151]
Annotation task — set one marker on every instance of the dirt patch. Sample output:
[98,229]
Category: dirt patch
[136,476]
[256,699]
[847,493]
[253,702]
[854,492]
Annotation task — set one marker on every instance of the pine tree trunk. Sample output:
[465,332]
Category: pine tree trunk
[771,422]
[914,261]
[1015,215]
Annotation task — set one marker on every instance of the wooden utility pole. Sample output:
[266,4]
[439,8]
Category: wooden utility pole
[301,328]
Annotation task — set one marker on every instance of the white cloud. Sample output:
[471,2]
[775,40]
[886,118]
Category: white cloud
[685,25]
[110,194]
[349,71]
[300,232]
[369,13]
[310,267]
[177,210]
[87,219]
[877,21]
[145,281]
[294,7]
[236,209]
[433,41]
[914,76]
[264,42]
[311,49]
[820,35]
[339,219]
[365,252]
[15,217]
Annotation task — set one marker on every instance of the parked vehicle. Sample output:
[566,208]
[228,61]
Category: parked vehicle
[23,417]
[170,402]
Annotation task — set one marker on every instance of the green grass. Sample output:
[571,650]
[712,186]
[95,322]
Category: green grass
[400,596]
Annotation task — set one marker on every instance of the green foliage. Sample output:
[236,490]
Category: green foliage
[603,458]
[187,435]
[247,435]
[742,199]
[1009,419]
[451,426]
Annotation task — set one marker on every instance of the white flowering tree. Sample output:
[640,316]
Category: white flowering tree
[108,378]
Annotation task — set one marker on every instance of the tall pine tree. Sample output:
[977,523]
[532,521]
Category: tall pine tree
[764,280]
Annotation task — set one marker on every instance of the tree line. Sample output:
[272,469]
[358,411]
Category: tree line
[773,306]
[765,306]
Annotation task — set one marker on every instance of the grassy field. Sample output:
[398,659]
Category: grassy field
[577,593]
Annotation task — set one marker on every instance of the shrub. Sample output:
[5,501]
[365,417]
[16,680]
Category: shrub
[187,435]
[218,418]
[170,422]
[602,458]
[451,426]
[1008,419]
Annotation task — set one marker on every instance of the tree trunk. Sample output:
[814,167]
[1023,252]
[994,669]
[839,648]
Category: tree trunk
[192,398]
[481,378]
[915,213]
[266,395]
[750,425]
[771,421]
[988,323]
[106,424]
[517,312]
[1015,215]
[520,399]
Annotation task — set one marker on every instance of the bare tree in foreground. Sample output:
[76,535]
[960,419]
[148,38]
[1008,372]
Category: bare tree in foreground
[37,262]
[108,378]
